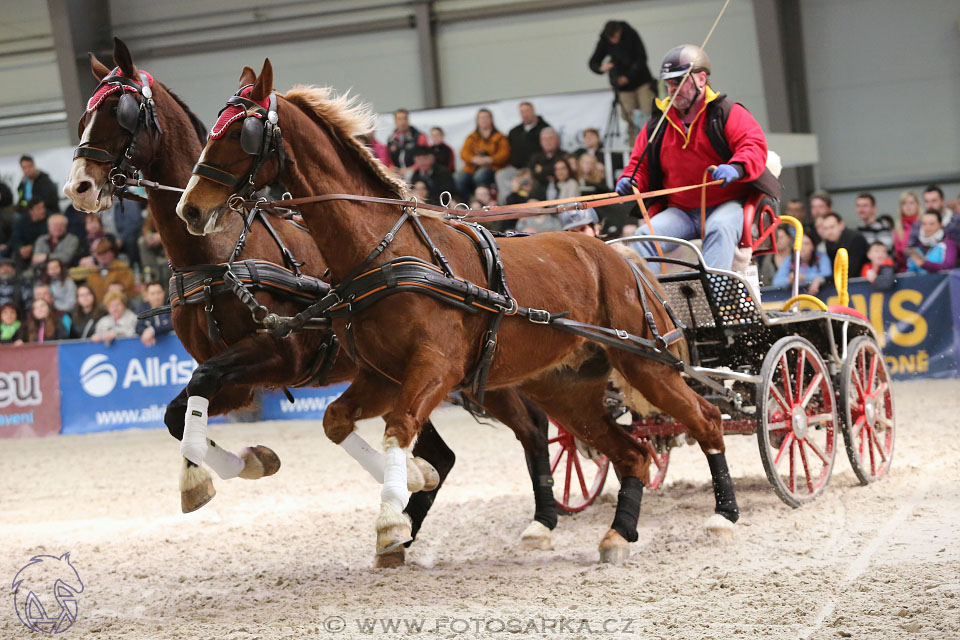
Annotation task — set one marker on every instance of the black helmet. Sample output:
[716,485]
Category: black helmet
[680,59]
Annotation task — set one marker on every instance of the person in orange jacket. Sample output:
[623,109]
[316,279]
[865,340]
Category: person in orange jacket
[484,152]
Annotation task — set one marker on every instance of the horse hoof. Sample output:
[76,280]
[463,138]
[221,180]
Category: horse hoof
[431,479]
[415,479]
[259,462]
[393,529]
[390,560]
[614,549]
[536,536]
[196,488]
[720,527]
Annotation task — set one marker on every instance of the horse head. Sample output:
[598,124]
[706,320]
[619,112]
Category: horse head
[243,153]
[120,131]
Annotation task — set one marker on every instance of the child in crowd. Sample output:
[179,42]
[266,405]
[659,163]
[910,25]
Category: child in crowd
[11,329]
[936,252]
[880,270]
[42,324]
[815,269]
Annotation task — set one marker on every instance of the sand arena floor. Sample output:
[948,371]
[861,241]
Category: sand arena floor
[290,556]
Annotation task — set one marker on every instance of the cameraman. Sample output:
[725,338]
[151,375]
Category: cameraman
[628,71]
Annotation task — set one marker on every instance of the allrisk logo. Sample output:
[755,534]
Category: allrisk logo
[98,377]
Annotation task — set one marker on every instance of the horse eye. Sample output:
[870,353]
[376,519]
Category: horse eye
[234,135]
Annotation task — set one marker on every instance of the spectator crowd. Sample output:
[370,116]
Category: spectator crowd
[70,275]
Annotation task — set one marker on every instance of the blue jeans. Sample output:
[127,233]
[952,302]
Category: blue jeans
[724,227]
[467,182]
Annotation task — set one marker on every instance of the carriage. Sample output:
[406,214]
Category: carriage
[792,377]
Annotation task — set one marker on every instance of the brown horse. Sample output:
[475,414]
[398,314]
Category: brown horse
[244,360]
[430,346]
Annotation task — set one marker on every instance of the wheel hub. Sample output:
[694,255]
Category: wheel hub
[800,423]
[870,411]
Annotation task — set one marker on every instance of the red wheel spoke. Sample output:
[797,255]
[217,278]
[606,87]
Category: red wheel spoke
[566,481]
[787,441]
[858,385]
[817,451]
[583,485]
[801,361]
[783,403]
[873,373]
[876,443]
[552,440]
[556,459]
[819,418]
[785,377]
[806,467]
[814,384]
[793,475]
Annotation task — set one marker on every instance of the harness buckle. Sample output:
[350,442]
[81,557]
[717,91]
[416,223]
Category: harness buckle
[538,316]
[512,309]
[623,335]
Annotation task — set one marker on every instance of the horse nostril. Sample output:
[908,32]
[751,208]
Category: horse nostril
[191,213]
[84,186]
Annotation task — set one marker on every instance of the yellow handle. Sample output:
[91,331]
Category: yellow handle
[798,226]
[841,267]
[805,297]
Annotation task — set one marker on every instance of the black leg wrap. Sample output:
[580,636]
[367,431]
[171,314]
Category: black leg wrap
[176,414]
[723,487]
[431,447]
[628,508]
[538,464]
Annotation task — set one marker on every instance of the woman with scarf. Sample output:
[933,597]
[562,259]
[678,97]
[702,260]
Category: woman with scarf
[936,251]
[42,325]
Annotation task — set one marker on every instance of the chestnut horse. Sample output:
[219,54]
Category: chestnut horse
[233,368]
[430,347]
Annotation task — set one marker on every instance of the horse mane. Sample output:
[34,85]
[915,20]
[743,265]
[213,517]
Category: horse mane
[198,125]
[346,116]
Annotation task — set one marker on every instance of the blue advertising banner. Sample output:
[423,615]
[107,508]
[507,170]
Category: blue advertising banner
[916,321]
[121,386]
[309,403]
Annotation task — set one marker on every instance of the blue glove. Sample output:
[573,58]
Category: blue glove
[625,186]
[726,172]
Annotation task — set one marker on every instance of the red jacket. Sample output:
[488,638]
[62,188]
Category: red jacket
[685,155]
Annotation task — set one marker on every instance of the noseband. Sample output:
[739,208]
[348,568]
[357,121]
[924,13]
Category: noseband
[260,137]
[132,115]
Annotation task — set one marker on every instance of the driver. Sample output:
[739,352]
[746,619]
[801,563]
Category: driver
[702,129]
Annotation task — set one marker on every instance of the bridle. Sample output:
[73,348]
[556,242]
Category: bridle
[133,115]
[260,137]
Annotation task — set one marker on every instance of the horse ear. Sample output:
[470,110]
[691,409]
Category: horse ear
[264,84]
[121,55]
[99,69]
[247,76]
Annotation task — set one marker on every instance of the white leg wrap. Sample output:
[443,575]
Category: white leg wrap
[227,465]
[368,457]
[394,490]
[193,447]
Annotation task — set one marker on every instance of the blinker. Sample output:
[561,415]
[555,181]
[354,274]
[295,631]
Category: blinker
[251,136]
[128,112]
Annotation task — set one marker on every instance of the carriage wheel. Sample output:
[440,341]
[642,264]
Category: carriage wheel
[658,463]
[867,402]
[796,421]
[579,473]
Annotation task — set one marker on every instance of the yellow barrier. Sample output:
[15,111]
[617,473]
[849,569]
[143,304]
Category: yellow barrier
[805,297]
